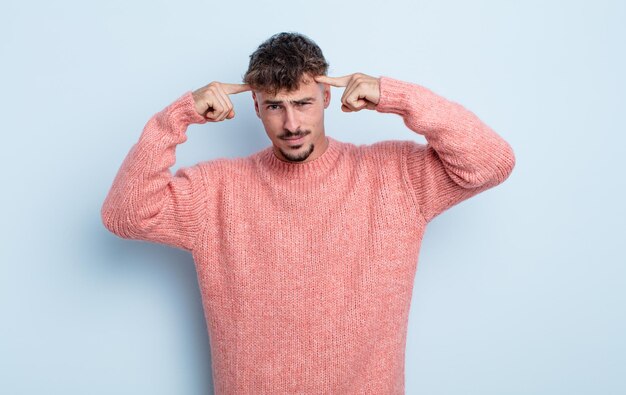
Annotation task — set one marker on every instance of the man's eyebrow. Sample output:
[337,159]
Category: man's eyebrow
[306,99]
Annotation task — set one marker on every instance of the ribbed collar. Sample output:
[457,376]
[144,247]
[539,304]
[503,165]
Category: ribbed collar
[319,167]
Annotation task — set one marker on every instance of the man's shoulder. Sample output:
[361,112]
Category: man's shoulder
[224,164]
[386,148]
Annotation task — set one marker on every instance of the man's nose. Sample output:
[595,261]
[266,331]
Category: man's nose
[292,123]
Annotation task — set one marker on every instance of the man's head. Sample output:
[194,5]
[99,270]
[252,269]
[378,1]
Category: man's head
[287,99]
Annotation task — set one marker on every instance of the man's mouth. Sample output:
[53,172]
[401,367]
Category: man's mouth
[295,139]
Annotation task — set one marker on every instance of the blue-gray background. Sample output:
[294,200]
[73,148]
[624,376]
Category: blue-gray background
[520,290]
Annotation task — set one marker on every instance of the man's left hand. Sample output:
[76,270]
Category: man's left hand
[362,91]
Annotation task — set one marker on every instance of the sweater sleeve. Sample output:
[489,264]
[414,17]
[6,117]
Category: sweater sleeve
[145,201]
[463,156]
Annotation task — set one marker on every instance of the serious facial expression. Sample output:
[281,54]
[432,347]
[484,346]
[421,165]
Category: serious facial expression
[294,121]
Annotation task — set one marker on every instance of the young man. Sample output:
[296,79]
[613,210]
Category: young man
[305,251]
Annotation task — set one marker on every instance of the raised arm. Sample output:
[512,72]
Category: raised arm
[463,156]
[147,202]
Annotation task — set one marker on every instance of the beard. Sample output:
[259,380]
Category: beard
[299,156]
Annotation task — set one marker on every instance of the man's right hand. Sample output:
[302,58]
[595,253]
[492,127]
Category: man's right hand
[212,100]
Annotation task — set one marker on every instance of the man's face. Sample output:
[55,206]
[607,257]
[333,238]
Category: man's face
[295,121]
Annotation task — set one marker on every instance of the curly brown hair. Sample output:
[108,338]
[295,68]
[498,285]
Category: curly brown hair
[281,62]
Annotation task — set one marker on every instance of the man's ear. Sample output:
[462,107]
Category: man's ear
[256,104]
[326,95]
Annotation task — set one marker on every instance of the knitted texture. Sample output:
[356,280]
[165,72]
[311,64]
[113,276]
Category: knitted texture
[306,269]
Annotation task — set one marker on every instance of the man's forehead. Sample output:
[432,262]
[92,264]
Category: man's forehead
[306,90]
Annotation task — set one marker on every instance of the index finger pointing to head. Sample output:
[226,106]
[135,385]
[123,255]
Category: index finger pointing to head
[334,81]
[235,88]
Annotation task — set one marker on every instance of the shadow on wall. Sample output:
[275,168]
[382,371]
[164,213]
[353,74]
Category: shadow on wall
[141,262]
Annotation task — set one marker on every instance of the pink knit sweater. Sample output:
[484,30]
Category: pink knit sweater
[306,269]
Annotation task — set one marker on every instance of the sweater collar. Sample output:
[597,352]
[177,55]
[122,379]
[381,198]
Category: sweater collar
[318,167]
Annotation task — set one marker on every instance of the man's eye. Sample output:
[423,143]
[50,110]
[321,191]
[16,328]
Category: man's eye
[273,106]
[303,104]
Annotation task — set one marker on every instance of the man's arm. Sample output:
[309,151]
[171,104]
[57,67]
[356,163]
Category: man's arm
[463,156]
[145,201]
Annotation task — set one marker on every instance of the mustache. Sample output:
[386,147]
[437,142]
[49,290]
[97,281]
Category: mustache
[297,134]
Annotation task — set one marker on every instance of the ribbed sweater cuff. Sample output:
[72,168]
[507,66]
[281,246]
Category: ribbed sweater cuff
[183,110]
[395,96]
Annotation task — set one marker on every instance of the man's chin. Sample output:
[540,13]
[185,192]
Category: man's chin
[298,153]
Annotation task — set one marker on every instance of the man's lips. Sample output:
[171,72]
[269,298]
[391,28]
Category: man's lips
[295,139]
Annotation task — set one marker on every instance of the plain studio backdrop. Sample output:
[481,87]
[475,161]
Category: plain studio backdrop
[519,290]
